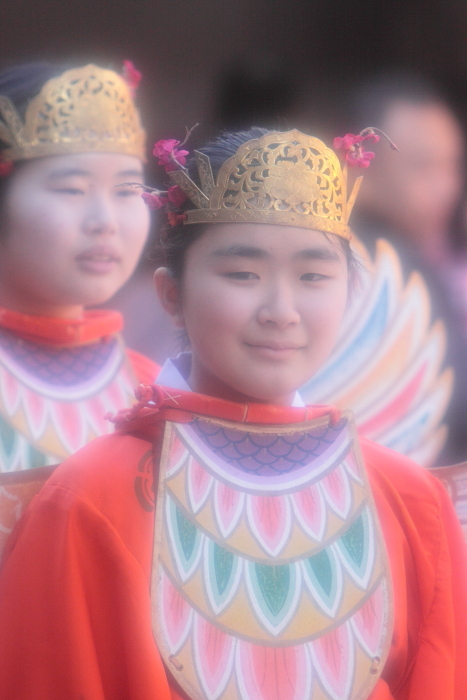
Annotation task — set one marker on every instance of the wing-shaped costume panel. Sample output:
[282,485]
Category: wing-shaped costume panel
[388,366]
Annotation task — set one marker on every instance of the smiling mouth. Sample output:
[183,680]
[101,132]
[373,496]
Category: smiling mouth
[274,352]
[98,260]
[278,347]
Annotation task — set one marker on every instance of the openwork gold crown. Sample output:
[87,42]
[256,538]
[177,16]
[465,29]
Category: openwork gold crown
[285,178]
[83,110]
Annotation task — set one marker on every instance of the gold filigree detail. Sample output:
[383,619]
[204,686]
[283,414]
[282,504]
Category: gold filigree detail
[285,178]
[83,110]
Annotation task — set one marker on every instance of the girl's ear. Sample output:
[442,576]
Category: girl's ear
[168,291]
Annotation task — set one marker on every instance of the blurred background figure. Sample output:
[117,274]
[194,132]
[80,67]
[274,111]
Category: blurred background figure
[411,198]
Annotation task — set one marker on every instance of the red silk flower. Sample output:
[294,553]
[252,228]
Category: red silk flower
[154,201]
[352,147]
[176,195]
[166,151]
[131,76]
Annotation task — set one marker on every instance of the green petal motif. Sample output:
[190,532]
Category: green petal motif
[222,575]
[185,540]
[274,582]
[323,576]
[354,541]
[223,563]
[8,436]
[186,534]
[322,569]
[274,593]
[356,549]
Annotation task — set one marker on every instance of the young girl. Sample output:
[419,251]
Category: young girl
[229,542]
[69,238]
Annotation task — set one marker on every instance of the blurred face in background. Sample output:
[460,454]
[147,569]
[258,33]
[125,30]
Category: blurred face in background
[69,237]
[415,191]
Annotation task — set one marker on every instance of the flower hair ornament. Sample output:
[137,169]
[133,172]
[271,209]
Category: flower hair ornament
[285,178]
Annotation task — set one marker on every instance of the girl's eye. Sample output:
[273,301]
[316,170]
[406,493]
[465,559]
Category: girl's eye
[130,192]
[242,275]
[312,277]
[70,190]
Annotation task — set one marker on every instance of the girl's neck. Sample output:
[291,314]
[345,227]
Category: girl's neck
[38,307]
[202,381]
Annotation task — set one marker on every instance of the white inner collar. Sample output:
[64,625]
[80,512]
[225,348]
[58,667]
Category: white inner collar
[175,372]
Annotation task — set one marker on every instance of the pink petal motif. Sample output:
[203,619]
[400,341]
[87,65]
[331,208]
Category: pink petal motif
[95,412]
[350,464]
[336,489]
[369,622]
[10,389]
[69,424]
[176,615]
[228,507]
[214,653]
[199,483]
[270,521]
[333,657]
[116,397]
[310,511]
[36,410]
[273,673]
[177,457]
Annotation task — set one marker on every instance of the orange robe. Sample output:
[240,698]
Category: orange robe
[75,617]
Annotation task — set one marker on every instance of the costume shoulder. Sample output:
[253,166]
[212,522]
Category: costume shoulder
[111,479]
[429,571]
[405,476]
[146,370]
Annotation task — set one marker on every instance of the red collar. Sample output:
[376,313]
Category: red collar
[63,332]
[156,403]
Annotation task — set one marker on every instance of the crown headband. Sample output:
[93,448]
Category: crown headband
[285,178]
[87,109]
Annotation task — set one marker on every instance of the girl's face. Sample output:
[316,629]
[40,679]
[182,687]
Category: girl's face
[262,306]
[69,237]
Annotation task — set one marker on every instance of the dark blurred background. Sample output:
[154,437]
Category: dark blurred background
[226,62]
[233,63]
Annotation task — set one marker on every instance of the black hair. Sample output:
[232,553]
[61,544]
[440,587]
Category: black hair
[371,101]
[175,241]
[21,83]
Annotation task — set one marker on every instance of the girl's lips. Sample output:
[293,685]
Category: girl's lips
[274,351]
[99,260]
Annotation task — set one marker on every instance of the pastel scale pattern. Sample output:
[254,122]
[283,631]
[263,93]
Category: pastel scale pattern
[53,401]
[270,575]
[388,365]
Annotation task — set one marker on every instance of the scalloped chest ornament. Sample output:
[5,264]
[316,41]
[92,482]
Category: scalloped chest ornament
[53,400]
[270,575]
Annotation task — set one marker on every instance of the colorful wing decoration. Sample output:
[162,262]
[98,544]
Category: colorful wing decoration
[388,366]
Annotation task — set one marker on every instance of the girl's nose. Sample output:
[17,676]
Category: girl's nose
[279,309]
[100,217]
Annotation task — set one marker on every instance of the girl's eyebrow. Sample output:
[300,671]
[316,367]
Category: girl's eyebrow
[68,172]
[317,253]
[252,252]
[130,173]
[80,172]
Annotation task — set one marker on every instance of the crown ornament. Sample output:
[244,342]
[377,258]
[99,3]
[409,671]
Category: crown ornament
[87,109]
[285,178]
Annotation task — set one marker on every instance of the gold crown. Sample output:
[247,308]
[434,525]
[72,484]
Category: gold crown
[83,110]
[285,178]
